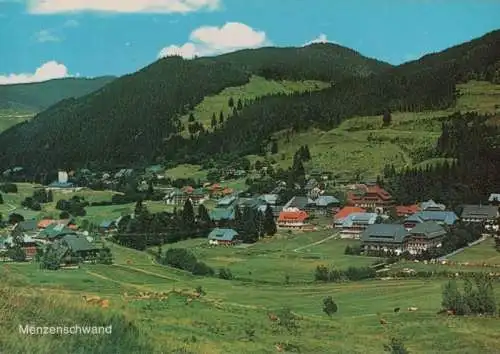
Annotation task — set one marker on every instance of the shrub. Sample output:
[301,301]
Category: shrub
[225,273]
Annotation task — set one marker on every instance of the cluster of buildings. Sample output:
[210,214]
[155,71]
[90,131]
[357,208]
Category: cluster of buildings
[62,235]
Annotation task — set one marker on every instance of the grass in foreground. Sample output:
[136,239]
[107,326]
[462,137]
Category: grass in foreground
[224,320]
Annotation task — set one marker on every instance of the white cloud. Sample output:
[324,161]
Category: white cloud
[121,6]
[49,70]
[210,40]
[46,36]
[322,38]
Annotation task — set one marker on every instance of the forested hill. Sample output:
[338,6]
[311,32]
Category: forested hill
[426,84]
[318,61]
[126,121]
[36,97]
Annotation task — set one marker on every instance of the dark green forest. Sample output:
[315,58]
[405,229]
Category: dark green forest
[134,120]
[38,96]
[470,179]
[126,122]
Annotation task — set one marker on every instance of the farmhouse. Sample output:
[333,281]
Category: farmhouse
[27,226]
[441,217]
[256,204]
[226,201]
[384,237]
[221,216]
[486,214]
[72,248]
[292,218]
[54,232]
[353,225]
[271,199]
[29,245]
[423,236]
[222,236]
[370,197]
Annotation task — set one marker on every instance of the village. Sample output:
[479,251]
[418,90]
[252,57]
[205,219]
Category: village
[367,214]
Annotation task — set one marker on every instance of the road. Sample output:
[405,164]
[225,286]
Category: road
[462,249]
[316,243]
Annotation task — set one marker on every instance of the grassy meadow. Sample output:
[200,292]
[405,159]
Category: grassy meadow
[232,315]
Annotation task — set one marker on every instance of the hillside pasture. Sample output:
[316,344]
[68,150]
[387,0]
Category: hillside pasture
[10,117]
[255,88]
[361,145]
[482,252]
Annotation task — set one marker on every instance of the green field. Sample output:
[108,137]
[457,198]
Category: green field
[9,118]
[220,321]
[482,252]
[257,87]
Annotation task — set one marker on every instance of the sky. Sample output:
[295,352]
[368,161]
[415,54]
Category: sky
[46,39]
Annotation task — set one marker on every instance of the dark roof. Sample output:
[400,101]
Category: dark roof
[447,217]
[479,212]
[429,229]
[107,223]
[55,230]
[77,243]
[218,214]
[57,184]
[222,234]
[297,202]
[393,233]
[27,225]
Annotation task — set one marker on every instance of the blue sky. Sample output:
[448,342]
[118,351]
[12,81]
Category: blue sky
[43,39]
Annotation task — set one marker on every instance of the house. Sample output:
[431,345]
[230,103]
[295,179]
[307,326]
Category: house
[226,201]
[44,223]
[124,173]
[441,217]
[425,235]
[431,205]
[323,205]
[29,245]
[222,236]
[407,210]
[494,199]
[311,184]
[370,197]
[344,213]
[255,203]
[55,231]
[385,238]
[179,197]
[27,226]
[222,215]
[353,225]
[107,226]
[68,186]
[487,214]
[71,248]
[292,218]
[271,199]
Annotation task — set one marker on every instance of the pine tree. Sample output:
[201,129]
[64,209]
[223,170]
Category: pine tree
[238,220]
[188,217]
[203,216]
[239,105]
[221,118]
[50,196]
[387,118]
[250,228]
[214,121]
[274,147]
[1,198]
[191,118]
[230,103]
[269,223]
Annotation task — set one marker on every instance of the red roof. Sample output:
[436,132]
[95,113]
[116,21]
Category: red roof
[42,224]
[188,189]
[293,216]
[370,193]
[346,211]
[403,210]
